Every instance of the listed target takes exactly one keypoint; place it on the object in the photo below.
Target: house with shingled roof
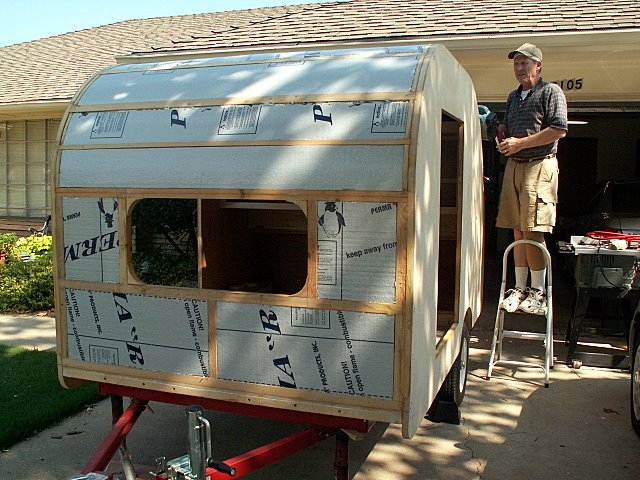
(591, 49)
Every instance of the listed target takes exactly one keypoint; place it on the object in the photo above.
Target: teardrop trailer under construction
(293, 235)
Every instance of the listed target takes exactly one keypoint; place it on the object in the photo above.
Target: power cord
(604, 235)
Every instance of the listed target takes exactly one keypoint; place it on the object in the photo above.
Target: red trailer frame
(320, 428)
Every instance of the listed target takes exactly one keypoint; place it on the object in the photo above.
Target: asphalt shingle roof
(53, 68)
(371, 20)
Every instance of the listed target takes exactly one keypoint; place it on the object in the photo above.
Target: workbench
(603, 273)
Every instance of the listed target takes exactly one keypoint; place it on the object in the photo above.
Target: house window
(27, 148)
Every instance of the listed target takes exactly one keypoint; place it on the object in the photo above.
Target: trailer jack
(198, 463)
(193, 466)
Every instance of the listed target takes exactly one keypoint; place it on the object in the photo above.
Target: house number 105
(570, 84)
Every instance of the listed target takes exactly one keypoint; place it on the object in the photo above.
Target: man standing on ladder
(535, 119)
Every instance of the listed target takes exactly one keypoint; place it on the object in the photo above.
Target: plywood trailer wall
(271, 229)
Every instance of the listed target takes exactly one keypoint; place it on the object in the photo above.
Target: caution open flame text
(352, 378)
(153, 333)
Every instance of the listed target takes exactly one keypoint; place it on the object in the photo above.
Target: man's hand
(512, 145)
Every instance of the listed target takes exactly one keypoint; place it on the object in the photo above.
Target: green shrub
(34, 245)
(27, 286)
(8, 245)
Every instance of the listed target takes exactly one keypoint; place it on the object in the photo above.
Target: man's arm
(512, 145)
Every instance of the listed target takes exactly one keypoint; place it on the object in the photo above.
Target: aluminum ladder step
(499, 332)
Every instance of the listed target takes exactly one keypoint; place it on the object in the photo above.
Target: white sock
(522, 274)
(538, 279)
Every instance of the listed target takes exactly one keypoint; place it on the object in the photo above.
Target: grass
(31, 398)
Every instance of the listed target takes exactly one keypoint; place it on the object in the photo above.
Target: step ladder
(499, 332)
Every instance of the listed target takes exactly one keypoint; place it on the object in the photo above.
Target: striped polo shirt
(544, 106)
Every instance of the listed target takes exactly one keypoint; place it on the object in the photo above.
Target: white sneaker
(536, 302)
(512, 299)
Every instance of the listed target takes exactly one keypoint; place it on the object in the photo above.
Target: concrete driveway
(512, 428)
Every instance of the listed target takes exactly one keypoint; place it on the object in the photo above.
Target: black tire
(455, 384)
(635, 384)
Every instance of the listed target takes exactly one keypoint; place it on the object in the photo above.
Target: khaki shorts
(529, 195)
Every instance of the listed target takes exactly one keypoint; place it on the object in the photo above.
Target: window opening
(164, 241)
(247, 245)
(254, 246)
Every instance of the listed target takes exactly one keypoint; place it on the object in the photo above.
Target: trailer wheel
(455, 384)
(635, 384)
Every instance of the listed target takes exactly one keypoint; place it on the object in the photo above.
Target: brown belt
(529, 160)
